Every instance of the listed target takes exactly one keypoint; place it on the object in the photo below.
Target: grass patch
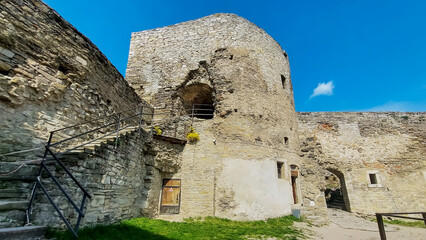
(419, 224)
(191, 228)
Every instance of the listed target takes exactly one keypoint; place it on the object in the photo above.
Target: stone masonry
(228, 62)
(51, 76)
(256, 157)
(354, 145)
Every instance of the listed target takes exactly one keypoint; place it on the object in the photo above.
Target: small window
(283, 81)
(280, 166)
(373, 178)
(286, 140)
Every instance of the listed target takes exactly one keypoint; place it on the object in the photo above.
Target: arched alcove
(198, 99)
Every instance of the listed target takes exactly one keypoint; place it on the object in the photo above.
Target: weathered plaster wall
(229, 179)
(390, 144)
(51, 76)
(249, 75)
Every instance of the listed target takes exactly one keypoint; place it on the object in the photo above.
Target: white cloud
(323, 89)
(398, 107)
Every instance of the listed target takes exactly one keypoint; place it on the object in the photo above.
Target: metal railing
(68, 144)
(67, 139)
(379, 218)
(177, 125)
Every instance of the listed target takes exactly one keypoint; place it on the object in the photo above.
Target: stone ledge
(171, 139)
(18, 233)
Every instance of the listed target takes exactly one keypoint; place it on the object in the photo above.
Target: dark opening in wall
(63, 69)
(197, 99)
(336, 194)
(4, 71)
(294, 182)
(286, 140)
(280, 171)
(283, 81)
(373, 178)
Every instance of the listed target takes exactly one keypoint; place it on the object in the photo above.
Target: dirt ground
(345, 225)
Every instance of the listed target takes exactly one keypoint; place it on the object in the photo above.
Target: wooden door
(294, 175)
(170, 197)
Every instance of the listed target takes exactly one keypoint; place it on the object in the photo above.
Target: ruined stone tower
(223, 76)
(240, 167)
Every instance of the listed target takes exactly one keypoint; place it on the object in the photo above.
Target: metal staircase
(79, 138)
(85, 138)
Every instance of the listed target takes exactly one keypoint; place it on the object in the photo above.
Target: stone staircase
(15, 189)
(338, 203)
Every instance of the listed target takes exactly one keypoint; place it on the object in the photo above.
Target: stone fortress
(256, 158)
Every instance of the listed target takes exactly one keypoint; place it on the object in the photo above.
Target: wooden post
(379, 218)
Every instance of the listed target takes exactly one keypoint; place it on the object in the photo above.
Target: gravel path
(344, 226)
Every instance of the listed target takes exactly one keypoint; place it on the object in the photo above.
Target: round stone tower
(245, 165)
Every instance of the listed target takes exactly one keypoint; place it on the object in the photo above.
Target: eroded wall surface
(51, 76)
(390, 145)
(232, 170)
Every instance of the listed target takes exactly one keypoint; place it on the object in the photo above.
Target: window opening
(280, 166)
(286, 140)
(283, 81)
(373, 178)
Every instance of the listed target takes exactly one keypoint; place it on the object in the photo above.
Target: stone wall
(51, 76)
(389, 144)
(124, 182)
(162, 59)
(230, 63)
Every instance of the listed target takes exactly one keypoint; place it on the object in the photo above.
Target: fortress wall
(389, 144)
(51, 76)
(232, 170)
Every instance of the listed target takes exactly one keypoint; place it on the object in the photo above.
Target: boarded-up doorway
(170, 196)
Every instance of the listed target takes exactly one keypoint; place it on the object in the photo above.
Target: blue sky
(344, 55)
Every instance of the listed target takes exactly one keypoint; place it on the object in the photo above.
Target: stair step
(18, 178)
(14, 193)
(21, 233)
(13, 218)
(13, 205)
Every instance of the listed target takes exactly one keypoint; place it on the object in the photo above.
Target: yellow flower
(158, 130)
(192, 136)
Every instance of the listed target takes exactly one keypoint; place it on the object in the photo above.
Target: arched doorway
(336, 193)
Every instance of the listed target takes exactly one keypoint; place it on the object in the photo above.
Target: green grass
(420, 224)
(207, 228)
